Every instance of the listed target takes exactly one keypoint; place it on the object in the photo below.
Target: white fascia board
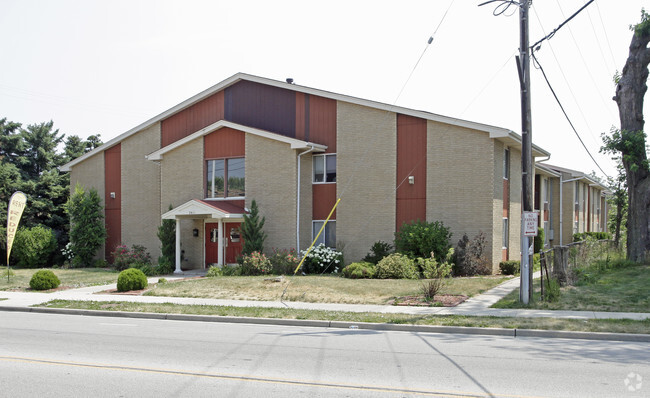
(295, 144)
(509, 136)
(546, 171)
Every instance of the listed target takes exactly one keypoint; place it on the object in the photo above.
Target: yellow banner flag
(16, 206)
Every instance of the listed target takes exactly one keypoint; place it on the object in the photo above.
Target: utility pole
(523, 66)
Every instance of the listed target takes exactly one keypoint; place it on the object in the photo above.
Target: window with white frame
(328, 236)
(225, 178)
(506, 235)
(324, 168)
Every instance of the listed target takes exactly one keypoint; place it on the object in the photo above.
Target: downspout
(298, 200)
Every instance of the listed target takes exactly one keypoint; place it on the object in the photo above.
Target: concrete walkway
(475, 306)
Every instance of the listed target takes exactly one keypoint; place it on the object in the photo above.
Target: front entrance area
(232, 242)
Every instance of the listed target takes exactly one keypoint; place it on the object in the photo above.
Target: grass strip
(579, 325)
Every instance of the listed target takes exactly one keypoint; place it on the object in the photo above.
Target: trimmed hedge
(131, 279)
(44, 280)
(511, 267)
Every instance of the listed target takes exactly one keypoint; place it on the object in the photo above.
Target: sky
(104, 67)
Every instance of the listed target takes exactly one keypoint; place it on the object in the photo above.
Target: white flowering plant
(322, 259)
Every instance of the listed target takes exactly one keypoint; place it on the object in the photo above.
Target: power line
(536, 45)
(564, 112)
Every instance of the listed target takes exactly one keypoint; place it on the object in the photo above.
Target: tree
(167, 236)
(617, 201)
(251, 231)
(630, 140)
(87, 230)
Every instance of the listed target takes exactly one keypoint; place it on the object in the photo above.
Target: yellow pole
(316, 238)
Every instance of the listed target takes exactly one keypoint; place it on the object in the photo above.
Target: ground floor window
(505, 233)
(328, 236)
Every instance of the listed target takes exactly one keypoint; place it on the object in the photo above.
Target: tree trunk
(630, 91)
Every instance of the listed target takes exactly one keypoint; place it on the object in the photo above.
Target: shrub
(131, 279)
(255, 263)
(232, 270)
(284, 262)
(420, 238)
(397, 266)
(430, 268)
(510, 267)
(33, 247)
(470, 257)
(146, 269)
(378, 251)
(591, 236)
(214, 272)
(124, 258)
(162, 281)
(360, 270)
(163, 268)
(322, 259)
(44, 280)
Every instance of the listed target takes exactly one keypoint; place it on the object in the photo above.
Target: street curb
(559, 334)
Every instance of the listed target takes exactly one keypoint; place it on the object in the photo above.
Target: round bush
(44, 280)
(359, 270)
(397, 266)
(34, 246)
(131, 279)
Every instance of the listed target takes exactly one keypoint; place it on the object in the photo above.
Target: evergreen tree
(167, 236)
(251, 231)
(87, 231)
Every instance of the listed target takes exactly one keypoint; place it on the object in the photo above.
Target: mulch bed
(439, 300)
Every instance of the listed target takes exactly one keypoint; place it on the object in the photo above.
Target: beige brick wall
(90, 174)
(515, 205)
(271, 181)
(366, 174)
(460, 181)
(497, 205)
(141, 191)
(181, 181)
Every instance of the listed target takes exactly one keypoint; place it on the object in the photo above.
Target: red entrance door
(233, 242)
(211, 243)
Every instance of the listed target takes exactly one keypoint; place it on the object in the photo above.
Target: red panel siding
(225, 143)
(192, 119)
(112, 209)
(506, 197)
(411, 161)
(302, 113)
(324, 197)
(322, 122)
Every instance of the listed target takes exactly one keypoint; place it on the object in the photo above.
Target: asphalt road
(45, 355)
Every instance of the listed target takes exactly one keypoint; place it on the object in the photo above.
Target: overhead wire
(539, 66)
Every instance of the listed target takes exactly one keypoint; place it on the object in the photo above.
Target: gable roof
(295, 144)
(578, 176)
(500, 133)
(197, 208)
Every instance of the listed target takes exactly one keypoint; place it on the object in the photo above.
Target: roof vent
(289, 80)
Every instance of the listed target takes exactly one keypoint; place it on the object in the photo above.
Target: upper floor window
(226, 178)
(506, 164)
(324, 168)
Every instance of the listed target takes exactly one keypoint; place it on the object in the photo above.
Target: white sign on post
(530, 223)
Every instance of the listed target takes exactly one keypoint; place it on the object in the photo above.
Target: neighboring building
(295, 150)
(582, 207)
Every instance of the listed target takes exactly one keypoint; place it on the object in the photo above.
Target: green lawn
(322, 289)
(79, 277)
(591, 325)
(618, 290)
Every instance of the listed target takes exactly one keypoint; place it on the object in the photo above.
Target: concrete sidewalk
(475, 306)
